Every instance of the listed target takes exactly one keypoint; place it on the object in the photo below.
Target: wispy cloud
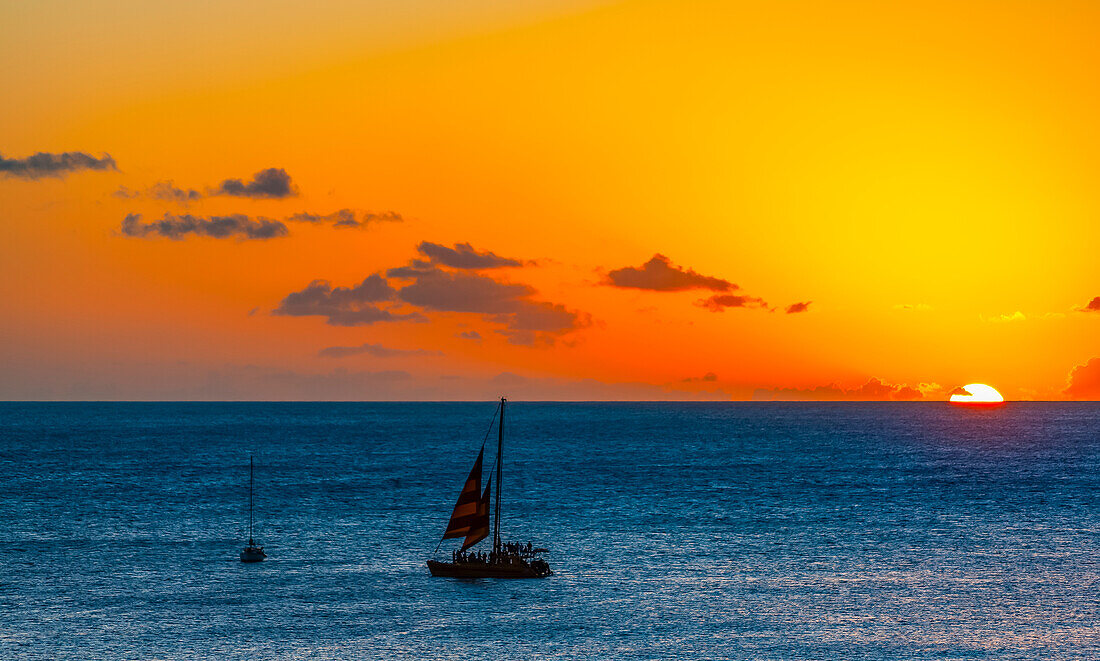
(44, 164)
(162, 190)
(1005, 318)
(376, 350)
(177, 227)
(346, 218)
(722, 302)
(795, 308)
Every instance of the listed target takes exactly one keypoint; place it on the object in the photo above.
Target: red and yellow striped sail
(479, 528)
(467, 510)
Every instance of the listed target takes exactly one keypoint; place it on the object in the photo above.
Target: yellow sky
(922, 174)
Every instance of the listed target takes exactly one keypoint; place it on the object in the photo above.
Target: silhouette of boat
(470, 521)
(251, 553)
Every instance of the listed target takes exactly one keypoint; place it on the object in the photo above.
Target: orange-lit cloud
(1084, 381)
(922, 197)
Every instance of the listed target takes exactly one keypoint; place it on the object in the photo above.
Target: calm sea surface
(692, 531)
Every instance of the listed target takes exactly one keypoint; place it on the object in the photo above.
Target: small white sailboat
(251, 553)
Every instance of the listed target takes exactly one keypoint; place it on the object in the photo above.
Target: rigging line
(492, 421)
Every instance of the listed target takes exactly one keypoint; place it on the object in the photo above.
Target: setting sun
(978, 394)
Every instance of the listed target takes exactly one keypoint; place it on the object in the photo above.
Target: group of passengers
(510, 553)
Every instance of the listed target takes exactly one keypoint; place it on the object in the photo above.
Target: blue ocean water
(690, 531)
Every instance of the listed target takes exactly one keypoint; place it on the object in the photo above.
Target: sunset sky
(549, 200)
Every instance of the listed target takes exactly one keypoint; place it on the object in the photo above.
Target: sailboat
(251, 553)
(470, 521)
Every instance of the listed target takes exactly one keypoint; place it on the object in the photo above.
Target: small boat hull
(253, 554)
(484, 570)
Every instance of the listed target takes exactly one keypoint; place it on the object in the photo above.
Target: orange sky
(923, 176)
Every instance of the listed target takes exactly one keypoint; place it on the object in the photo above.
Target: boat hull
(253, 555)
(482, 570)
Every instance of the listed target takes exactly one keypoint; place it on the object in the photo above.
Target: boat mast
(500, 452)
(250, 542)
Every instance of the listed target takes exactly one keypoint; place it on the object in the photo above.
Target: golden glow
(869, 158)
(977, 393)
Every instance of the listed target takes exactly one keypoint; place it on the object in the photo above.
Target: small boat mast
(251, 553)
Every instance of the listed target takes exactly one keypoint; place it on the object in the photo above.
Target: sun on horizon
(977, 394)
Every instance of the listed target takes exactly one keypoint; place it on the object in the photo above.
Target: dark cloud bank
(446, 282)
(43, 164)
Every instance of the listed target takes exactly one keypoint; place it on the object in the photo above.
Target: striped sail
(466, 512)
(479, 528)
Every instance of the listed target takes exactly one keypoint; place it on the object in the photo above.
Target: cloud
(527, 321)
(720, 302)
(1005, 318)
(376, 350)
(343, 306)
(435, 289)
(709, 377)
(874, 389)
(1091, 306)
(218, 227)
(1084, 381)
(443, 285)
(162, 190)
(346, 218)
(43, 164)
(463, 256)
(915, 307)
(660, 274)
(270, 183)
(179, 226)
(795, 308)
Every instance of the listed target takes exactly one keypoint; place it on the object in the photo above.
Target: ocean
(677, 530)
